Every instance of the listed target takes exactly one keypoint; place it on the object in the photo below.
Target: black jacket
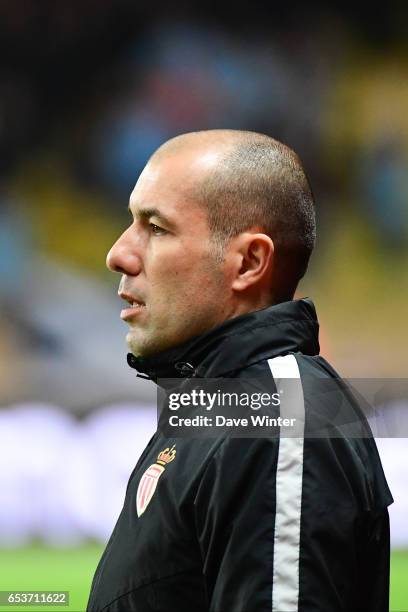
(228, 524)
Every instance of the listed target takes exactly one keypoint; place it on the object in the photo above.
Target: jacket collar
(238, 343)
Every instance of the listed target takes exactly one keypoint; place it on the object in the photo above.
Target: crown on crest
(166, 455)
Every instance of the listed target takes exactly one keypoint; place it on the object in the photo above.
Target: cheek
(183, 274)
(173, 264)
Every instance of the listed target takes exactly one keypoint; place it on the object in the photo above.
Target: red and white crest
(150, 478)
(147, 487)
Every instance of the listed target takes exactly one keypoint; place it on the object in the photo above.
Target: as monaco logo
(150, 478)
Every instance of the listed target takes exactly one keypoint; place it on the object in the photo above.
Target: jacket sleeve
(259, 555)
(374, 575)
(235, 515)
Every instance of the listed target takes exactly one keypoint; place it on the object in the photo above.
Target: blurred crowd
(63, 480)
(90, 90)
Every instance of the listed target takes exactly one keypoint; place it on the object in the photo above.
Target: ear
(254, 257)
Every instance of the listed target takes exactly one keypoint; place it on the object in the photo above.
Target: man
(222, 230)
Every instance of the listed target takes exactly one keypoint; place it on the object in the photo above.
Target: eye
(156, 229)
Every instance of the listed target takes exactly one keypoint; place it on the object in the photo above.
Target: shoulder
(334, 444)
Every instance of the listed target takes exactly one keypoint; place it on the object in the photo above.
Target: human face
(170, 275)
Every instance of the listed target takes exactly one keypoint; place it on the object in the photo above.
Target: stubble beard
(196, 319)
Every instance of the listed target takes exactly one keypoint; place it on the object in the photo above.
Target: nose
(124, 257)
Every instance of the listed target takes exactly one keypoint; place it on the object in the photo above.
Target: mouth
(135, 307)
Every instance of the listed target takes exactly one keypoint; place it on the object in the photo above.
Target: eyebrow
(147, 213)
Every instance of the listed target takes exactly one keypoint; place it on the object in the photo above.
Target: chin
(141, 347)
(134, 345)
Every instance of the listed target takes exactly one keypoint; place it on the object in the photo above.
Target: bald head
(246, 180)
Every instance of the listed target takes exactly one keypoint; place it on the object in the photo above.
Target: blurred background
(88, 91)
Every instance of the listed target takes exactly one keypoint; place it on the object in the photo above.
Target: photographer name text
(222, 421)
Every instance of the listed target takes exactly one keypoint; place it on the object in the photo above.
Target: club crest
(150, 478)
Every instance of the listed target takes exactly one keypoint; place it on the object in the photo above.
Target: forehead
(169, 184)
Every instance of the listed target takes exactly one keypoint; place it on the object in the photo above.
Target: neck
(290, 326)
(247, 304)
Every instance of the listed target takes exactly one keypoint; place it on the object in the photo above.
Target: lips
(136, 306)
